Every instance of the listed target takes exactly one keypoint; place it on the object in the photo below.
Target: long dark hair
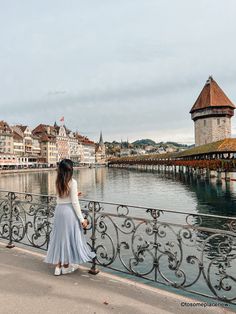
(64, 175)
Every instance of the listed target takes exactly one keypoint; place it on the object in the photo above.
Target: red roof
(21, 127)
(17, 136)
(211, 96)
(40, 128)
(4, 126)
(47, 138)
(84, 139)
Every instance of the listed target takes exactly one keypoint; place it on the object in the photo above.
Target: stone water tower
(212, 114)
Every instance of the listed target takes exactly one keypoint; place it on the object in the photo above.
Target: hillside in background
(144, 142)
(143, 146)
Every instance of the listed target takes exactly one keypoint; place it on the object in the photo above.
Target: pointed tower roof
(211, 96)
(101, 140)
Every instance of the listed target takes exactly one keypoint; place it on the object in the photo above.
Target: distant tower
(102, 147)
(212, 114)
(101, 143)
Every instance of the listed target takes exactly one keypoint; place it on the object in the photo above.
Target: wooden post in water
(218, 178)
(212, 174)
(227, 176)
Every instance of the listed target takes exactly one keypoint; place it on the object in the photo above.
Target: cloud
(135, 78)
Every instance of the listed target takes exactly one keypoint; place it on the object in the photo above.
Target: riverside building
(6, 138)
(62, 142)
(46, 136)
(49, 149)
(44, 146)
(18, 144)
(88, 150)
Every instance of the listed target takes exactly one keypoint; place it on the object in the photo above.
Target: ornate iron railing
(189, 251)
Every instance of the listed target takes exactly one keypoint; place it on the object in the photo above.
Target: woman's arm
(75, 200)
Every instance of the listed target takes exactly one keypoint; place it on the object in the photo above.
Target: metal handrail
(129, 205)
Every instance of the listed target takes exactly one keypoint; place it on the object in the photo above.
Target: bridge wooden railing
(211, 164)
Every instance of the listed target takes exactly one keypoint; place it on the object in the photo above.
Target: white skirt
(67, 243)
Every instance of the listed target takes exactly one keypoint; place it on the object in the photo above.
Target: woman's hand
(85, 223)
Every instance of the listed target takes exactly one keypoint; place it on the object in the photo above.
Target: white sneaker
(58, 271)
(69, 269)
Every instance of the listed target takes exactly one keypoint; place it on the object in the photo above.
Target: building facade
(88, 153)
(87, 150)
(46, 145)
(6, 138)
(49, 149)
(25, 132)
(8, 160)
(74, 147)
(212, 113)
(18, 144)
(62, 143)
(45, 136)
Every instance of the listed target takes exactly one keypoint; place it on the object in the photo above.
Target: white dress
(67, 241)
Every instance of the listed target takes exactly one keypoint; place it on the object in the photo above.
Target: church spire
(101, 143)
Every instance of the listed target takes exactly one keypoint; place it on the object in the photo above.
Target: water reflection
(219, 199)
(182, 192)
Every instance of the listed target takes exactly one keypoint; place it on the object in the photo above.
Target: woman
(67, 242)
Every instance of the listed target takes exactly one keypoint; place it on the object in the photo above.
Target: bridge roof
(227, 145)
(211, 96)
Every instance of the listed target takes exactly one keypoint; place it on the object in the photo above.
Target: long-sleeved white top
(73, 199)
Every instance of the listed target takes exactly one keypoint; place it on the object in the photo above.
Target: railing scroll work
(189, 251)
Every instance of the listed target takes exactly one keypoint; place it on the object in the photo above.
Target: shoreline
(8, 171)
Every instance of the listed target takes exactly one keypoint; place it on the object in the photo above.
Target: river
(180, 192)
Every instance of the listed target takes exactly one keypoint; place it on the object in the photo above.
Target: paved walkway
(28, 286)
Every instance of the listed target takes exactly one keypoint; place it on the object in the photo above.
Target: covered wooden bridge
(218, 156)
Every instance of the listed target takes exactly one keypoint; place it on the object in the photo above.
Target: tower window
(204, 122)
(218, 121)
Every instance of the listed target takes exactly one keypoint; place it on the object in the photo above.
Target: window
(204, 122)
(218, 121)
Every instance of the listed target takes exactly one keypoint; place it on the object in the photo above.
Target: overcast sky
(131, 68)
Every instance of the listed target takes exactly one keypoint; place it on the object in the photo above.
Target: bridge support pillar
(218, 178)
(212, 174)
(227, 176)
(207, 174)
(198, 173)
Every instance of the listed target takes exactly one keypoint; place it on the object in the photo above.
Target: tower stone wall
(212, 129)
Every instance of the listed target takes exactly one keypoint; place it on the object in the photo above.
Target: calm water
(177, 192)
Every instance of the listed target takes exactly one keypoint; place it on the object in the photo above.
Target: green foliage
(144, 142)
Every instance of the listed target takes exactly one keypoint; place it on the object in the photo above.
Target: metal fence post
(47, 226)
(93, 270)
(11, 197)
